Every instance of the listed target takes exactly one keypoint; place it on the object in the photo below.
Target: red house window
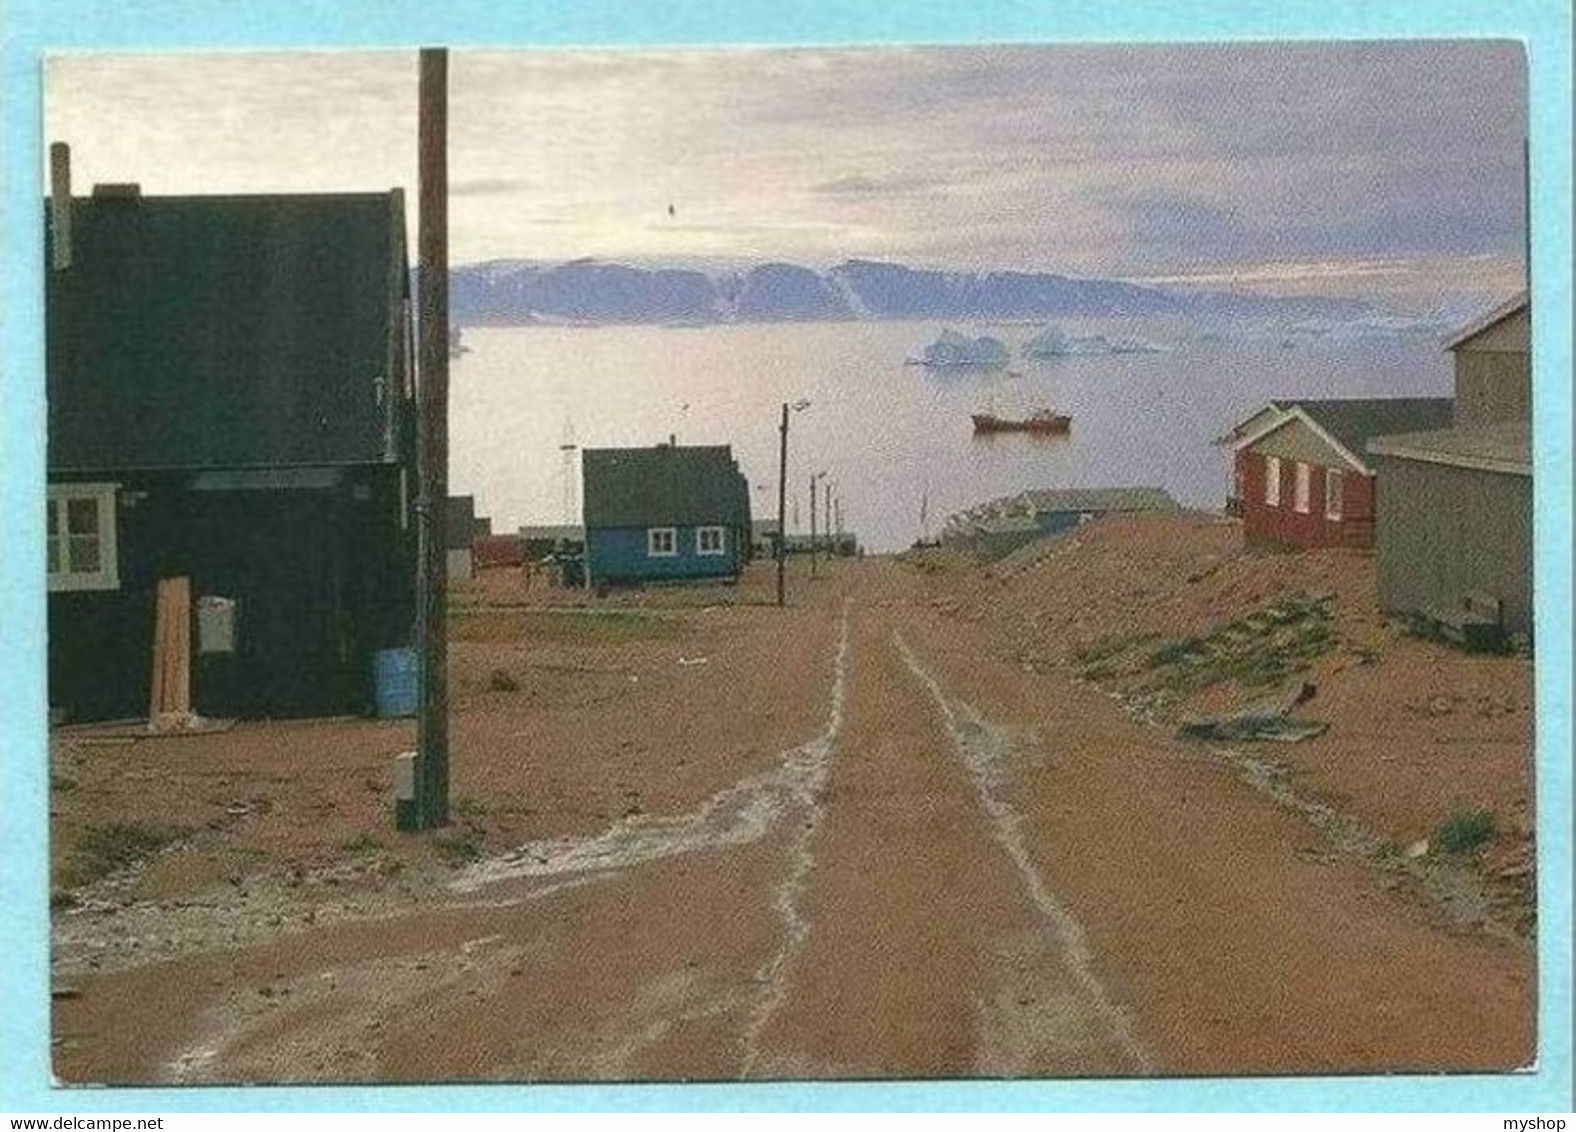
(1332, 494)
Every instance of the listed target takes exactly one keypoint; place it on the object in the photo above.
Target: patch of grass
(1261, 649)
(457, 848)
(100, 850)
(62, 782)
(1109, 647)
(570, 626)
(1185, 650)
(469, 806)
(60, 898)
(1388, 851)
(1465, 831)
(362, 843)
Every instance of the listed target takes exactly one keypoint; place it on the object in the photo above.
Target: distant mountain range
(525, 292)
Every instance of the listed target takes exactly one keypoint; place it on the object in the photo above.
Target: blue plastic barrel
(396, 676)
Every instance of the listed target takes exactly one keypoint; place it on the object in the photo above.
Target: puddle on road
(737, 815)
(985, 751)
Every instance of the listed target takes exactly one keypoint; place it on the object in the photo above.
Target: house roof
(1513, 305)
(459, 522)
(1247, 424)
(1016, 513)
(1504, 447)
(1105, 499)
(227, 331)
(565, 531)
(1006, 525)
(1348, 424)
(663, 486)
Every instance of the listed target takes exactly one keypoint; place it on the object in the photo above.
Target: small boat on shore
(1043, 421)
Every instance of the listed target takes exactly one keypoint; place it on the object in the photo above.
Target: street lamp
(815, 482)
(798, 406)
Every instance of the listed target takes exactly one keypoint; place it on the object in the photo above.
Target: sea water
(893, 439)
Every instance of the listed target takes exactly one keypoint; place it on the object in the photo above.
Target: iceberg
(954, 349)
(1369, 328)
(1052, 343)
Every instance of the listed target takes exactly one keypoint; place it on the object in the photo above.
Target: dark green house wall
(322, 578)
(1445, 532)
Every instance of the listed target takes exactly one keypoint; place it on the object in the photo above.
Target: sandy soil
(883, 833)
(1420, 731)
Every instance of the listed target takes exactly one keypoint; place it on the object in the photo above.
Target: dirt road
(942, 865)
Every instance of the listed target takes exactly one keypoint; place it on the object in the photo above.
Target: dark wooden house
(231, 401)
(667, 513)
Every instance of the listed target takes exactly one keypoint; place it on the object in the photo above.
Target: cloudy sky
(1388, 170)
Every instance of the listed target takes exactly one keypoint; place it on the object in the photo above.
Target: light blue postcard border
(31, 28)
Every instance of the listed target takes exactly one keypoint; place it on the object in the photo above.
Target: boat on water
(1044, 421)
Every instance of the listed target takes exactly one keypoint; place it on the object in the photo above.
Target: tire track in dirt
(1246, 943)
(790, 892)
(922, 951)
(370, 993)
(982, 749)
(737, 815)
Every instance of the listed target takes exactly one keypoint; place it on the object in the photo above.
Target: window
(1332, 493)
(710, 541)
(80, 535)
(1272, 481)
(1301, 488)
(662, 542)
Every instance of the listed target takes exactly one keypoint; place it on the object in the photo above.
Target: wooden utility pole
(782, 504)
(432, 629)
(826, 514)
(812, 526)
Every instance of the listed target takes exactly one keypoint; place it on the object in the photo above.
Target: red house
(1301, 477)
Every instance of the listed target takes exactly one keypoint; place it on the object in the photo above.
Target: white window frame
(1334, 487)
(700, 542)
(1272, 481)
(652, 534)
(1302, 488)
(107, 576)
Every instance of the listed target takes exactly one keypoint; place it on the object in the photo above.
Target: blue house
(667, 513)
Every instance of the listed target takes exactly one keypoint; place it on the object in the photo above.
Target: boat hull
(1045, 426)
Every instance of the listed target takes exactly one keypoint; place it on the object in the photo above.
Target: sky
(1391, 171)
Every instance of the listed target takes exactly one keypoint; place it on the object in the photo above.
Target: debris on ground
(1265, 722)
(501, 681)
